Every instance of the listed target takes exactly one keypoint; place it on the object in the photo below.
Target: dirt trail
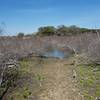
(60, 83)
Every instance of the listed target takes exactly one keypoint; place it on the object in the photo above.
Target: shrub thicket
(61, 30)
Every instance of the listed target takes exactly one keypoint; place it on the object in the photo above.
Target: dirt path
(60, 83)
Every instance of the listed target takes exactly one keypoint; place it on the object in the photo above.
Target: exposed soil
(60, 85)
(55, 82)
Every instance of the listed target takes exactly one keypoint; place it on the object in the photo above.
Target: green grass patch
(30, 79)
(89, 78)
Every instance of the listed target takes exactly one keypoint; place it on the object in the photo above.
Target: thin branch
(98, 35)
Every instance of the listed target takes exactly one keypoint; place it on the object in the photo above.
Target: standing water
(56, 53)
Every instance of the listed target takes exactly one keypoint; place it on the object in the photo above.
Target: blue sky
(27, 15)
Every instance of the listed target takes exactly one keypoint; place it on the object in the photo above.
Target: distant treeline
(61, 30)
